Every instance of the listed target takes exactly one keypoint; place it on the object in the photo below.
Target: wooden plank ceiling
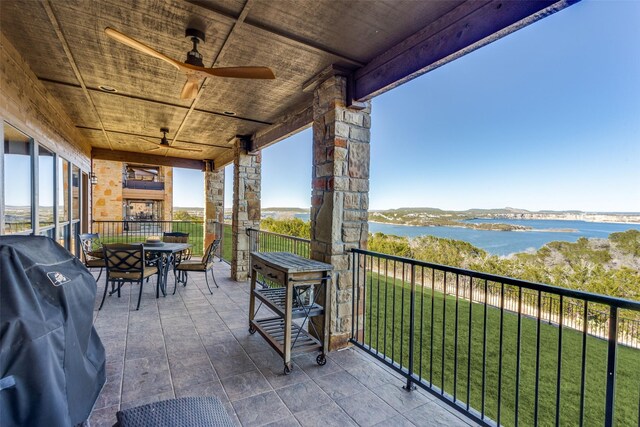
(65, 45)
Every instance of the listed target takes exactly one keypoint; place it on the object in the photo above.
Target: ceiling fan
(164, 143)
(193, 67)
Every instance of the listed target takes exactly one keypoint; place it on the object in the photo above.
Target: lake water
(508, 242)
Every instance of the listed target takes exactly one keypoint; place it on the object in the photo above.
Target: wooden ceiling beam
(65, 46)
(283, 128)
(119, 132)
(153, 101)
(466, 28)
(143, 158)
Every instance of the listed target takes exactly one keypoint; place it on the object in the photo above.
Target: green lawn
(226, 242)
(628, 362)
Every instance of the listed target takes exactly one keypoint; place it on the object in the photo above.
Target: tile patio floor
(197, 344)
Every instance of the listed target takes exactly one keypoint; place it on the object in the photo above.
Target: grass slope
(393, 341)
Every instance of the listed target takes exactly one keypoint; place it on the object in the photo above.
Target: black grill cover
(47, 340)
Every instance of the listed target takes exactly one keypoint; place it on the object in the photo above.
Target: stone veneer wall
(214, 205)
(340, 199)
(167, 204)
(107, 193)
(246, 208)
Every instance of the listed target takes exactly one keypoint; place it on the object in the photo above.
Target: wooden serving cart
(295, 291)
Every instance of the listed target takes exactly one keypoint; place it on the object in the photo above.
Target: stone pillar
(213, 205)
(246, 208)
(340, 195)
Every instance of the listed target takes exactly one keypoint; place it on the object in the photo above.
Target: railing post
(409, 386)
(611, 367)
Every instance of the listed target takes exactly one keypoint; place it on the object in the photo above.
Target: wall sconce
(93, 178)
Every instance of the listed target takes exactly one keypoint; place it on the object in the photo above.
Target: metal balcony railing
(266, 241)
(500, 350)
(136, 184)
(139, 231)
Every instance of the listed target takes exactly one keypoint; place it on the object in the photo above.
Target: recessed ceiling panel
(160, 25)
(75, 103)
(28, 28)
(358, 29)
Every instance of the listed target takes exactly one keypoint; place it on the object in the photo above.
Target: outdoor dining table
(166, 257)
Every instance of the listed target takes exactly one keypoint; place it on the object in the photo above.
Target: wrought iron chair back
(205, 265)
(126, 263)
(92, 254)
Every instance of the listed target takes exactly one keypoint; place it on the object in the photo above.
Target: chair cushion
(193, 266)
(95, 263)
(134, 275)
(96, 254)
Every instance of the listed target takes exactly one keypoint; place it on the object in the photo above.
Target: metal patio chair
(205, 265)
(178, 237)
(92, 255)
(126, 263)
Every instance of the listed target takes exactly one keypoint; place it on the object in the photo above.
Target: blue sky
(545, 118)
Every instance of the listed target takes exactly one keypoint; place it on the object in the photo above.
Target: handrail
(571, 293)
(299, 239)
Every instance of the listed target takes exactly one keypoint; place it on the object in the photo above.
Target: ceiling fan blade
(124, 39)
(190, 88)
(234, 72)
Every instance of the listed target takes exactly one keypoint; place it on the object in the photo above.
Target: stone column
(246, 208)
(340, 195)
(213, 205)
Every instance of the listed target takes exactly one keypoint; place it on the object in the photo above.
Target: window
(45, 187)
(63, 190)
(17, 181)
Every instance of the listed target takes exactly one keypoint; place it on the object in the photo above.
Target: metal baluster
(455, 342)
(371, 302)
(537, 385)
(559, 374)
(364, 299)
(518, 346)
(433, 280)
(384, 314)
(409, 386)
(393, 312)
(353, 293)
(469, 342)
(444, 327)
(402, 314)
(421, 317)
(612, 353)
(386, 282)
(583, 374)
(501, 339)
(484, 350)
(357, 317)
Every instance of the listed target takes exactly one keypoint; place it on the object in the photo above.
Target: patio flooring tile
(329, 415)
(297, 397)
(366, 408)
(260, 409)
(196, 344)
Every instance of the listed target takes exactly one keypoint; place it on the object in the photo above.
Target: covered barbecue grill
(52, 362)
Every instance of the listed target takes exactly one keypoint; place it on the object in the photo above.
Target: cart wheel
(252, 330)
(287, 369)
(321, 359)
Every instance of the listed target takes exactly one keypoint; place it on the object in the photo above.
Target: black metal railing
(136, 184)
(266, 241)
(139, 231)
(501, 350)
